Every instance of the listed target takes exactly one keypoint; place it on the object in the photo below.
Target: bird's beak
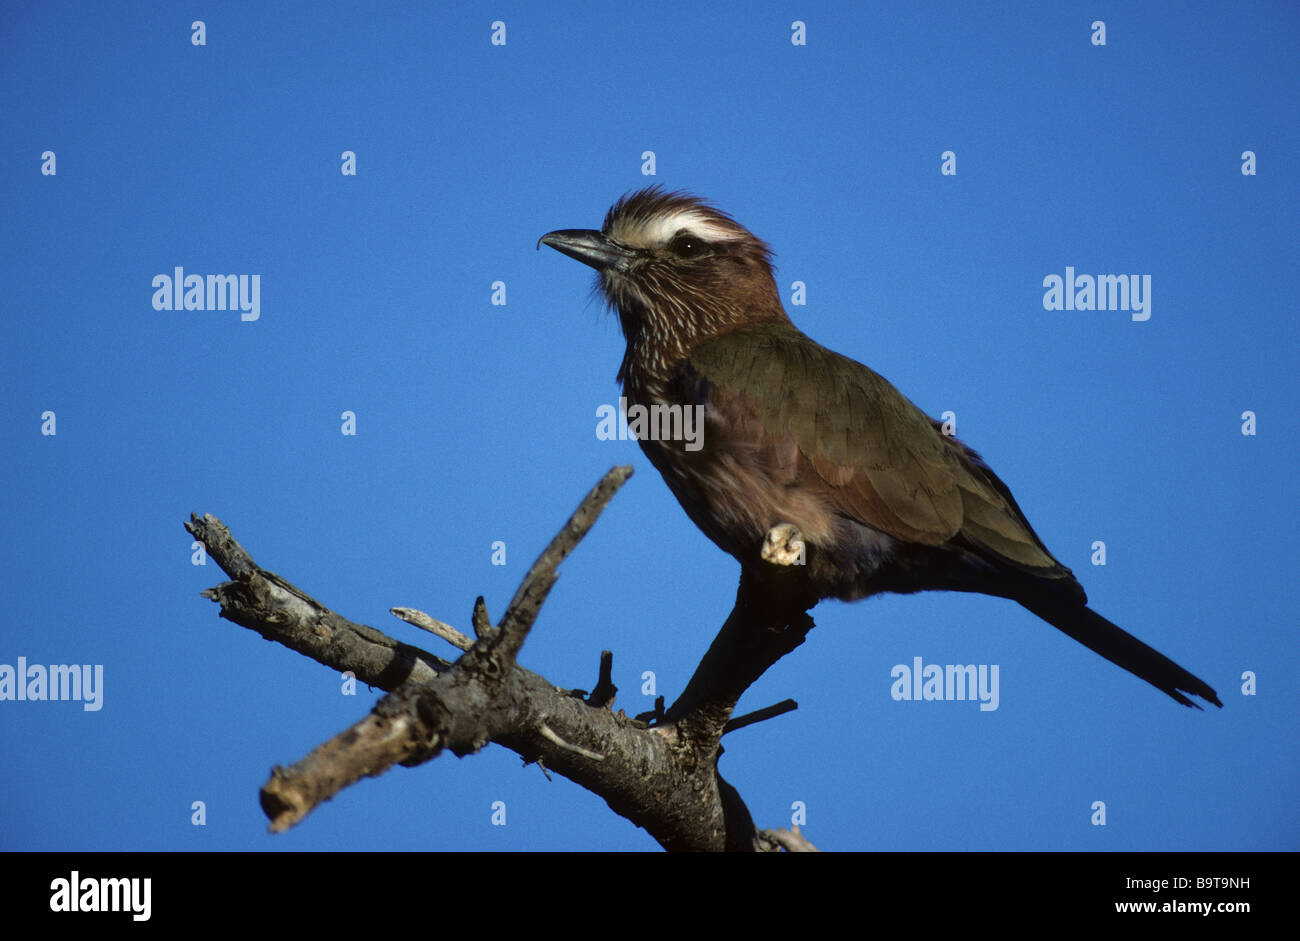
(589, 247)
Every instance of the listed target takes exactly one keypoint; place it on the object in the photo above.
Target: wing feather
(871, 454)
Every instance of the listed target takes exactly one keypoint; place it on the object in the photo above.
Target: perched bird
(811, 466)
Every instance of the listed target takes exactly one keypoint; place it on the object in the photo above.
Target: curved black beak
(589, 247)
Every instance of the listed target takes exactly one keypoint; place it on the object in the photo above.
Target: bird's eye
(687, 246)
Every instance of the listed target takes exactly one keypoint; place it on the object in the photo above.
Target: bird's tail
(1120, 647)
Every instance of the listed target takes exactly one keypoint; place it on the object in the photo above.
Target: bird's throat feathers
(659, 336)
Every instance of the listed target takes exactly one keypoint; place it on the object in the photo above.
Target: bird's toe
(784, 545)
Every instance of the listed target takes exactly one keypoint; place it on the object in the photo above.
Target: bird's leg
(768, 621)
(784, 545)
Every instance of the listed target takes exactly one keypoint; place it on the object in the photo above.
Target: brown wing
(870, 453)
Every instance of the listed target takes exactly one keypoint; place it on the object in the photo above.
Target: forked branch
(663, 777)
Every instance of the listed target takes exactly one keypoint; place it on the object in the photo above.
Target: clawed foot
(784, 545)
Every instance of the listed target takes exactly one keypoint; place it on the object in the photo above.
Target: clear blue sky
(476, 422)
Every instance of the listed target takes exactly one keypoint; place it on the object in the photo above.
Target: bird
(809, 466)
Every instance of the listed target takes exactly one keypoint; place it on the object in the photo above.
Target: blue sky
(476, 422)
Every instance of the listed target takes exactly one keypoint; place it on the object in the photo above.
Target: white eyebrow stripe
(661, 229)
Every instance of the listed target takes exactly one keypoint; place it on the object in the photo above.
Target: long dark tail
(1120, 647)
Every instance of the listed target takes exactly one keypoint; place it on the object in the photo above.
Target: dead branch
(663, 777)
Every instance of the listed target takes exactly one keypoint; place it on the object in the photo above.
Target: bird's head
(676, 269)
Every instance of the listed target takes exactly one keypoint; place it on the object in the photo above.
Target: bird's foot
(784, 545)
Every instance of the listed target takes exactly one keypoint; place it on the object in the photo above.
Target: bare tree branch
(792, 841)
(479, 618)
(264, 602)
(663, 778)
(760, 715)
(603, 694)
(431, 624)
(531, 594)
